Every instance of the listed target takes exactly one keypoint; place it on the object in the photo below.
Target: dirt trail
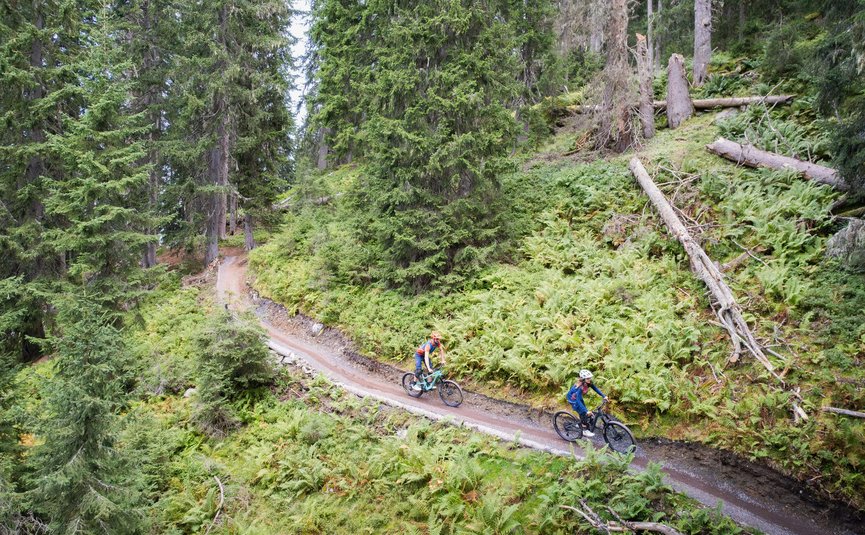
(753, 495)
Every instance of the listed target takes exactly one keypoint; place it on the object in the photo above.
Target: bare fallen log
(855, 414)
(731, 102)
(623, 526)
(751, 156)
(704, 104)
(729, 313)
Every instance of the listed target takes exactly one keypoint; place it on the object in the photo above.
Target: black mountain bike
(616, 434)
(449, 391)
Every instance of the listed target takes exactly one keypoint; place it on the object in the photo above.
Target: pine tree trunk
(702, 39)
(679, 105)
(218, 177)
(657, 54)
(644, 75)
(741, 26)
(232, 220)
(248, 238)
(323, 149)
(649, 37)
(36, 165)
(147, 96)
(597, 16)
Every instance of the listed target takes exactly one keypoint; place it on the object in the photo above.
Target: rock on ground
(848, 245)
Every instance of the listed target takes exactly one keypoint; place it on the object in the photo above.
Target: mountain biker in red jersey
(575, 398)
(422, 355)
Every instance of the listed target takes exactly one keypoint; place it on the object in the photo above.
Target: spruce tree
(82, 484)
(429, 101)
(38, 44)
(228, 94)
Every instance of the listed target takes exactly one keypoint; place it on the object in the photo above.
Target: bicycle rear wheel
(567, 426)
(451, 393)
(408, 382)
(619, 437)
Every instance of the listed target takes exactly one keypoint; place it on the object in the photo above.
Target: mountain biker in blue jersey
(575, 398)
(422, 355)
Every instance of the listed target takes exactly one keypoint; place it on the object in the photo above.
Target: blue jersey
(575, 396)
(428, 345)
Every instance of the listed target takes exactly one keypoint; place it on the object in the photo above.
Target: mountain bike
(450, 392)
(615, 433)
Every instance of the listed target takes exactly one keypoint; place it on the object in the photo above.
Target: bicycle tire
(619, 437)
(568, 426)
(451, 393)
(408, 381)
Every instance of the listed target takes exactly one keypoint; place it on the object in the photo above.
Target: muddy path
(753, 495)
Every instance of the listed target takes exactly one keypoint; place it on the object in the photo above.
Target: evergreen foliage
(82, 482)
(431, 118)
(231, 358)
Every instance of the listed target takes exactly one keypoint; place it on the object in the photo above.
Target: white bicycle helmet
(585, 374)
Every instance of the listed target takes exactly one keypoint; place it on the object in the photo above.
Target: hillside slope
(593, 280)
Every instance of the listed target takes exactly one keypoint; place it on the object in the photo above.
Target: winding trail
(754, 503)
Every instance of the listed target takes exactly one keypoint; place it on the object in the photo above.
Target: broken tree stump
(751, 156)
(729, 313)
(679, 105)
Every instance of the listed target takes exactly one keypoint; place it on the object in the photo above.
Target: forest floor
(750, 493)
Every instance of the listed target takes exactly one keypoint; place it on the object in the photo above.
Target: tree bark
(649, 22)
(741, 27)
(323, 149)
(678, 103)
(729, 313)
(657, 53)
(731, 102)
(644, 74)
(702, 39)
(218, 175)
(750, 156)
(232, 220)
(248, 237)
(597, 19)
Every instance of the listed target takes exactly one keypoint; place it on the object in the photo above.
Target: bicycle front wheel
(451, 393)
(567, 426)
(409, 381)
(619, 437)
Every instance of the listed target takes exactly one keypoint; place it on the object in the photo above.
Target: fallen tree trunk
(729, 313)
(619, 527)
(845, 412)
(751, 156)
(731, 102)
(705, 103)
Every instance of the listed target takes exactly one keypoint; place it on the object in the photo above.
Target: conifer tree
(229, 81)
(82, 484)
(431, 95)
(38, 43)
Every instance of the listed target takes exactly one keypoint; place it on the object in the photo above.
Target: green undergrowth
(304, 456)
(313, 459)
(592, 279)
